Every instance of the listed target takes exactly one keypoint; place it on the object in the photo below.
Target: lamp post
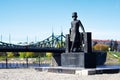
(6, 61)
(39, 59)
(9, 38)
(27, 39)
(1, 37)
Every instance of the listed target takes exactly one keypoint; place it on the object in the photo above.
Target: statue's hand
(84, 37)
(83, 34)
(70, 31)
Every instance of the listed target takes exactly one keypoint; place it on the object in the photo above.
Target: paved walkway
(31, 74)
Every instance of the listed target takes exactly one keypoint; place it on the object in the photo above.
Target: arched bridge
(54, 43)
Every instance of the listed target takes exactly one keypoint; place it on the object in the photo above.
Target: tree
(48, 54)
(30, 54)
(115, 46)
(22, 54)
(111, 45)
(95, 43)
(10, 54)
(101, 47)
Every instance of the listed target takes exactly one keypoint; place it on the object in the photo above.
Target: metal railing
(25, 62)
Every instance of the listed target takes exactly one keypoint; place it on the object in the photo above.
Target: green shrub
(48, 54)
(30, 54)
(10, 54)
(22, 54)
(27, 54)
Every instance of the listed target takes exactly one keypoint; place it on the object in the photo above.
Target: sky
(35, 20)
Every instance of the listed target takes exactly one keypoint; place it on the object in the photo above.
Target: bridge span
(31, 49)
(54, 43)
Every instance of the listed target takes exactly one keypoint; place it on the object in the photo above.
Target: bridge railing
(25, 62)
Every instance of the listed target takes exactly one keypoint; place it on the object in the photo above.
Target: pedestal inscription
(81, 59)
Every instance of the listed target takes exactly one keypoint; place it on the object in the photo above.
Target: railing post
(62, 39)
(27, 61)
(6, 61)
(39, 59)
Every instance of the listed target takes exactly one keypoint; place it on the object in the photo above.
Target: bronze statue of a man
(75, 36)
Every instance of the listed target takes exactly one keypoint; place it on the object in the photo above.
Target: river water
(17, 65)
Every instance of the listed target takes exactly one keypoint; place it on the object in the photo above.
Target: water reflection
(23, 65)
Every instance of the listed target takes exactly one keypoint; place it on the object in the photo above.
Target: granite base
(78, 59)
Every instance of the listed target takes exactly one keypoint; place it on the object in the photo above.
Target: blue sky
(38, 18)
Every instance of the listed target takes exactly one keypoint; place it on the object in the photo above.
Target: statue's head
(74, 14)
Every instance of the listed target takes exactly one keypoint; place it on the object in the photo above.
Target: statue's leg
(78, 46)
(71, 49)
(72, 46)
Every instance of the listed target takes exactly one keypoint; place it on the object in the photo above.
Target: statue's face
(74, 17)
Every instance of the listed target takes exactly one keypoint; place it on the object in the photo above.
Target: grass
(116, 53)
(113, 58)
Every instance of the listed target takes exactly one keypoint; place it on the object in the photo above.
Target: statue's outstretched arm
(82, 27)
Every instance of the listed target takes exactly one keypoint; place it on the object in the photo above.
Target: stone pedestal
(87, 42)
(78, 59)
(57, 57)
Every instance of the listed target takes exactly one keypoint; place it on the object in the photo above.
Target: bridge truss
(55, 43)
